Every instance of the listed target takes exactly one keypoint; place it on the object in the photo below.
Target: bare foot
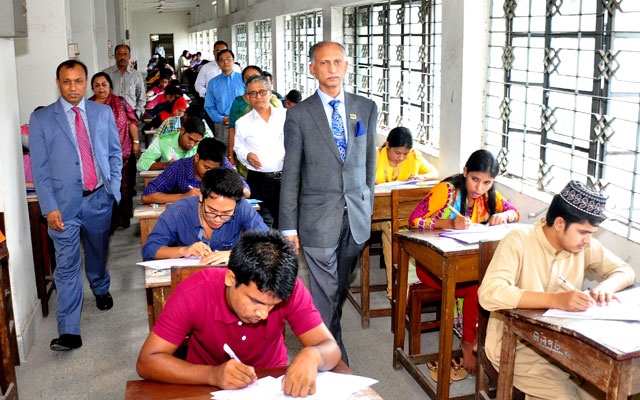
(469, 356)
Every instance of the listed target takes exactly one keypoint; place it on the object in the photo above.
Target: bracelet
(136, 141)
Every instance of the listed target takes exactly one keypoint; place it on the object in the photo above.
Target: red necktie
(88, 166)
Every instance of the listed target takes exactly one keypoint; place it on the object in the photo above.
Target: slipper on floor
(433, 371)
(458, 372)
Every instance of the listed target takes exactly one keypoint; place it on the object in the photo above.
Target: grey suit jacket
(316, 184)
(55, 161)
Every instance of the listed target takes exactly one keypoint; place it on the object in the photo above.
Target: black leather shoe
(66, 342)
(104, 301)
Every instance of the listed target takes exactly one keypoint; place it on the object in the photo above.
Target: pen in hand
(566, 285)
(456, 212)
(230, 352)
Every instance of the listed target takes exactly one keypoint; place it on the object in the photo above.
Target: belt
(86, 193)
(271, 175)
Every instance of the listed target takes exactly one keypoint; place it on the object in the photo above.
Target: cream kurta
(526, 261)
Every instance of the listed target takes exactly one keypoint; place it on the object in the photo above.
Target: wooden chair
(363, 307)
(421, 297)
(178, 274)
(487, 376)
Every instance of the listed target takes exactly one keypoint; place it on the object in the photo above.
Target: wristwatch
(136, 141)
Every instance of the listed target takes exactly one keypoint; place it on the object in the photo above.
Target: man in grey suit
(328, 178)
(77, 164)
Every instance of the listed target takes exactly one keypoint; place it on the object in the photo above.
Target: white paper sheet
(169, 262)
(329, 386)
(627, 310)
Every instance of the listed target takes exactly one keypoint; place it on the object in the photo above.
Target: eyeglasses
(212, 215)
(226, 59)
(256, 93)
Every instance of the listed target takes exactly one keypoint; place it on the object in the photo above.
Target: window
(563, 98)
(301, 32)
(263, 55)
(393, 49)
(240, 48)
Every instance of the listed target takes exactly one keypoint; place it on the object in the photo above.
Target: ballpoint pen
(230, 352)
(566, 284)
(456, 212)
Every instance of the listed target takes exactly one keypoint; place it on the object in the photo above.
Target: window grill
(301, 32)
(563, 98)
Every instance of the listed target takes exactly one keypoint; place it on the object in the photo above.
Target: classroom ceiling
(161, 5)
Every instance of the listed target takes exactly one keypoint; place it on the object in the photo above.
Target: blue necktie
(338, 129)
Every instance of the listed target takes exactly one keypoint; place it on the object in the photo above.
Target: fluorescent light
(214, 2)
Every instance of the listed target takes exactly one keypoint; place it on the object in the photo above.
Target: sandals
(458, 372)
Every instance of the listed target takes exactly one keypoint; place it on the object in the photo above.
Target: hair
(560, 208)
(479, 161)
(257, 78)
(105, 76)
(223, 182)
(173, 90)
(219, 42)
(194, 125)
(195, 111)
(312, 50)
(184, 53)
(294, 96)
(115, 50)
(211, 149)
(400, 137)
(267, 74)
(248, 67)
(70, 64)
(225, 51)
(266, 259)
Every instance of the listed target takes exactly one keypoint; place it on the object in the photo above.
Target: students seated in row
(182, 178)
(398, 161)
(455, 203)
(524, 273)
(205, 226)
(174, 123)
(245, 307)
(173, 146)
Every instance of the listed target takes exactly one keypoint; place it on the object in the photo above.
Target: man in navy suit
(77, 164)
(326, 200)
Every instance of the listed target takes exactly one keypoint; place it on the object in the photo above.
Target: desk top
(142, 211)
(384, 189)
(152, 173)
(441, 245)
(596, 333)
(149, 390)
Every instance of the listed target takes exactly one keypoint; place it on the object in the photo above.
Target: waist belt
(271, 175)
(86, 193)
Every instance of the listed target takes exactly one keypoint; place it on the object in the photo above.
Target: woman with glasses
(205, 227)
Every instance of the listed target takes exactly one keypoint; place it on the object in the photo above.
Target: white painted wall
(146, 23)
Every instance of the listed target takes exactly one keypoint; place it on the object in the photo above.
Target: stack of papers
(478, 232)
(329, 386)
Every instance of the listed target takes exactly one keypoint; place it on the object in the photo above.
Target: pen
(566, 284)
(230, 352)
(456, 212)
(190, 187)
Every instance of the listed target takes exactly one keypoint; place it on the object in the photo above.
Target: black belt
(271, 175)
(86, 193)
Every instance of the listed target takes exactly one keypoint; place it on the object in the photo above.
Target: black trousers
(266, 187)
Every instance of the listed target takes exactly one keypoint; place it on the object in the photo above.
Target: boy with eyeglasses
(205, 226)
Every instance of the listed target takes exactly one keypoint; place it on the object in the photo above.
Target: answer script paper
(170, 262)
(628, 309)
(329, 386)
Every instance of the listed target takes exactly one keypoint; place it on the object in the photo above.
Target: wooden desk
(44, 260)
(157, 284)
(450, 261)
(150, 175)
(149, 390)
(612, 371)
(148, 215)
(381, 212)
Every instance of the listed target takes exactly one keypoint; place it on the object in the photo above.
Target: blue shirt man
(208, 226)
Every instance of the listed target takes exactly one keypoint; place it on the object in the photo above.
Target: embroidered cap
(585, 200)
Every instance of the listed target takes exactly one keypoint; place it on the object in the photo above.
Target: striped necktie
(88, 165)
(338, 129)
